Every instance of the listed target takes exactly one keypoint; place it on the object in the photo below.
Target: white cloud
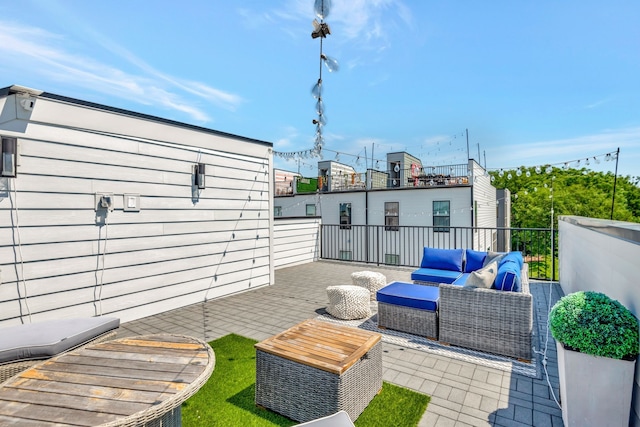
(35, 48)
(559, 151)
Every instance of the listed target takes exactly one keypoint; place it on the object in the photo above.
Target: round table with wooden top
(135, 381)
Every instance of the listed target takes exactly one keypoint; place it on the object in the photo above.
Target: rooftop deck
(463, 392)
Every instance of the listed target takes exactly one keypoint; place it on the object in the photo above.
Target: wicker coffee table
(316, 368)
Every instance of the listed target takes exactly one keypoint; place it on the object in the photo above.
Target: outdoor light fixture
(198, 175)
(320, 29)
(9, 160)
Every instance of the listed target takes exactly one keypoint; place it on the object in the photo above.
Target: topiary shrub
(593, 323)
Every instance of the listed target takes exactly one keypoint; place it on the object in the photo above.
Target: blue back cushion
(475, 260)
(509, 270)
(513, 257)
(443, 259)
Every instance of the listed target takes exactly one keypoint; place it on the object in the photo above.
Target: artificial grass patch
(228, 398)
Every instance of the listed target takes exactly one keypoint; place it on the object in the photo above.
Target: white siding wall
(484, 196)
(295, 241)
(416, 205)
(179, 249)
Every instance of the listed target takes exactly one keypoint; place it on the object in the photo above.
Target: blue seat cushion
(460, 281)
(410, 295)
(435, 275)
(46, 339)
(474, 260)
(442, 259)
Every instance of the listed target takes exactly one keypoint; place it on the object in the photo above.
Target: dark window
(311, 210)
(441, 218)
(391, 216)
(345, 216)
(277, 211)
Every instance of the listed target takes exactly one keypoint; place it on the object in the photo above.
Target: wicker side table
(315, 369)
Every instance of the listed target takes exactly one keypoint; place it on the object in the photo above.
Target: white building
(106, 211)
(408, 194)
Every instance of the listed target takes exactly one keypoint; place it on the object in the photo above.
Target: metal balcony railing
(403, 245)
(373, 179)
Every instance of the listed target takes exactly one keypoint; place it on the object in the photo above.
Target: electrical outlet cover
(98, 201)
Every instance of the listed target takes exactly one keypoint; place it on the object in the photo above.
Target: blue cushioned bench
(410, 308)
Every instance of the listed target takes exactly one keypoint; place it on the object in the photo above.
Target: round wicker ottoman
(348, 302)
(370, 280)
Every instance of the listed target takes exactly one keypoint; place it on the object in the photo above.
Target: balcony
(348, 179)
(465, 388)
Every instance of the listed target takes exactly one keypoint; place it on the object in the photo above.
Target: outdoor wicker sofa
(488, 320)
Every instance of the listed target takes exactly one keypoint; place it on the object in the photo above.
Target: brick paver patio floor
(462, 393)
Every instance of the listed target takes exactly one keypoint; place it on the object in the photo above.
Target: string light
(320, 31)
(548, 168)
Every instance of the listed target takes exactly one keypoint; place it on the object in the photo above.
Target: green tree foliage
(580, 192)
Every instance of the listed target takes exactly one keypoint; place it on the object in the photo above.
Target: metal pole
(615, 180)
(373, 147)
(553, 254)
(467, 132)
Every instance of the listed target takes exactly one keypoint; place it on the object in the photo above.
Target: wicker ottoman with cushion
(369, 279)
(348, 302)
(408, 307)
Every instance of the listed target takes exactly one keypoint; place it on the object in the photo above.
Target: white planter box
(594, 391)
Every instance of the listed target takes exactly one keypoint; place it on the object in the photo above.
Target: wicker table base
(287, 383)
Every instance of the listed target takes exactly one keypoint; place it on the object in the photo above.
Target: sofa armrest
(487, 319)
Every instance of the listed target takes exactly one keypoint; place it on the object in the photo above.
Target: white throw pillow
(493, 256)
(482, 278)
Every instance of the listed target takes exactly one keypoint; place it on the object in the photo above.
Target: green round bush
(593, 323)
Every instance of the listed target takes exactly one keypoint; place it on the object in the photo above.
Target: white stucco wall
(594, 258)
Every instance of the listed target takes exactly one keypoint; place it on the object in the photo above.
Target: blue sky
(535, 83)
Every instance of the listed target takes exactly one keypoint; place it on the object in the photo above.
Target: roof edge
(15, 89)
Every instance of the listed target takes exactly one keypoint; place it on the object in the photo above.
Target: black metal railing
(403, 245)
(373, 179)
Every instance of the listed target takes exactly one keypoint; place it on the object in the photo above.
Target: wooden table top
(113, 382)
(323, 345)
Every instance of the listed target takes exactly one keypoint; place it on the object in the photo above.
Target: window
(391, 216)
(441, 219)
(311, 210)
(277, 211)
(345, 216)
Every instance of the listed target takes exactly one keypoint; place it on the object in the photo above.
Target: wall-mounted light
(199, 175)
(9, 160)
